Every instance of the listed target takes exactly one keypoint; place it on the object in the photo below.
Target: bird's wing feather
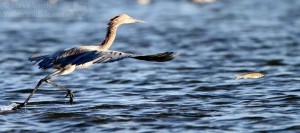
(112, 56)
(101, 57)
(83, 58)
(71, 56)
(61, 57)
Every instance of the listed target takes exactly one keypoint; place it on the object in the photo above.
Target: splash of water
(8, 107)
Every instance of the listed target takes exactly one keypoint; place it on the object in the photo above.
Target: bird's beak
(139, 21)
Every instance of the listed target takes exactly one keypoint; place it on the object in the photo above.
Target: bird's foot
(19, 106)
(71, 97)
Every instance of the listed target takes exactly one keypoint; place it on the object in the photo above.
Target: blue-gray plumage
(77, 56)
(66, 61)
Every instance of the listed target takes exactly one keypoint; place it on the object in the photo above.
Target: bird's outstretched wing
(112, 56)
(79, 56)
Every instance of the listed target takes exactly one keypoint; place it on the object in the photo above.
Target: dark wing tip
(168, 56)
(159, 57)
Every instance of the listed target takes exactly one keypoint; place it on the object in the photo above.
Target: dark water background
(194, 93)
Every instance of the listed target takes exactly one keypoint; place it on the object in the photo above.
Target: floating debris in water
(143, 2)
(203, 1)
(251, 75)
(52, 1)
(9, 107)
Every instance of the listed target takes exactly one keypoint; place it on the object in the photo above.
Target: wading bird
(66, 61)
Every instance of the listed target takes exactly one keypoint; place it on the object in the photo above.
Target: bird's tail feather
(159, 57)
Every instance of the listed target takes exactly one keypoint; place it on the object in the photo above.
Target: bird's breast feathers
(85, 65)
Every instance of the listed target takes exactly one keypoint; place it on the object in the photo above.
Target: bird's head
(125, 19)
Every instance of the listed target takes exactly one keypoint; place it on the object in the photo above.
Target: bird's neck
(110, 36)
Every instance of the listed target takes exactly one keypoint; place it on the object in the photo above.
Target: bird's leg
(31, 94)
(70, 92)
(57, 73)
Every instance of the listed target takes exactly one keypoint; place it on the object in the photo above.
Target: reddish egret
(66, 61)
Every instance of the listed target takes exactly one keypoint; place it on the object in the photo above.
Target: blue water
(194, 93)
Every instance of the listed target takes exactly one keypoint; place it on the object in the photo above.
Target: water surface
(196, 92)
